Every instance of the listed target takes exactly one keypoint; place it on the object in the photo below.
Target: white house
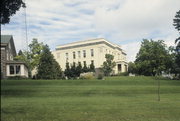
(91, 51)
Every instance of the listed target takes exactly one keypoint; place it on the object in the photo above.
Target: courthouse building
(91, 51)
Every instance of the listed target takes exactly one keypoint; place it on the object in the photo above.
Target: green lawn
(112, 99)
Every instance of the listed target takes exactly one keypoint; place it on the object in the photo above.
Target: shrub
(123, 74)
(88, 75)
(100, 76)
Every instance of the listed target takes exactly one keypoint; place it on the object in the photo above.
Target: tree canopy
(108, 65)
(152, 58)
(9, 8)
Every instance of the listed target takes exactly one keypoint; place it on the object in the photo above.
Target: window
(84, 53)
(74, 55)
(67, 57)
(92, 52)
(18, 69)
(11, 68)
(15, 69)
(79, 54)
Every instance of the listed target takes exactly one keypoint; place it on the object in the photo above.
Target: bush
(88, 75)
(16, 77)
(123, 74)
(100, 76)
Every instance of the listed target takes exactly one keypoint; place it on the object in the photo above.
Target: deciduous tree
(108, 65)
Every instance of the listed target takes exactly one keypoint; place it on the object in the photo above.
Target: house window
(74, 55)
(92, 52)
(11, 68)
(79, 54)
(18, 69)
(84, 53)
(15, 69)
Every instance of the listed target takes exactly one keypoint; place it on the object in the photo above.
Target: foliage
(8, 8)
(35, 52)
(67, 71)
(48, 68)
(108, 65)
(92, 67)
(100, 76)
(131, 67)
(73, 70)
(88, 75)
(177, 25)
(85, 68)
(78, 69)
(123, 74)
(24, 56)
(152, 58)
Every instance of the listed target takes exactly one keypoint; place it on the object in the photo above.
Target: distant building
(9, 67)
(91, 51)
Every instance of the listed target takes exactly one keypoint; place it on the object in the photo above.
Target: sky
(122, 22)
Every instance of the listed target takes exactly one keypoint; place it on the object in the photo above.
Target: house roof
(6, 40)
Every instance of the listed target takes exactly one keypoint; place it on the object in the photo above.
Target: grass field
(112, 99)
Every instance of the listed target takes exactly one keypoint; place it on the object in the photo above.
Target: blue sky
(123, 22)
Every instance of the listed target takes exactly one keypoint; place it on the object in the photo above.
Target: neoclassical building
(91, 51)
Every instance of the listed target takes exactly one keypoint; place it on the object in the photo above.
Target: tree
(108, 65)
(92, 67)
(177, 25)
(73, 70)
(9, 8)
(67, 71)
(78, 69)
(35, 52)
(152, 58)
(85, 68)
(48, 68)
(131, 67)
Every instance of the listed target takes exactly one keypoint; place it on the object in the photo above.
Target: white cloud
(124, 22)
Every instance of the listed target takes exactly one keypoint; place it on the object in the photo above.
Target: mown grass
(112, 99)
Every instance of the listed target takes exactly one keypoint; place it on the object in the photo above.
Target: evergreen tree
(48, 68)
(73, 70)
(78, 69)
(85, 68)
(67, 71)
(92, 67)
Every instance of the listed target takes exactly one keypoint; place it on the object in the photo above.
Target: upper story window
(92, 52)
(79, 54)
(84, 53)
(67, 56)
(74, 55)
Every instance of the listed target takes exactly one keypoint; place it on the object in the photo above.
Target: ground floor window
(15, 69)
